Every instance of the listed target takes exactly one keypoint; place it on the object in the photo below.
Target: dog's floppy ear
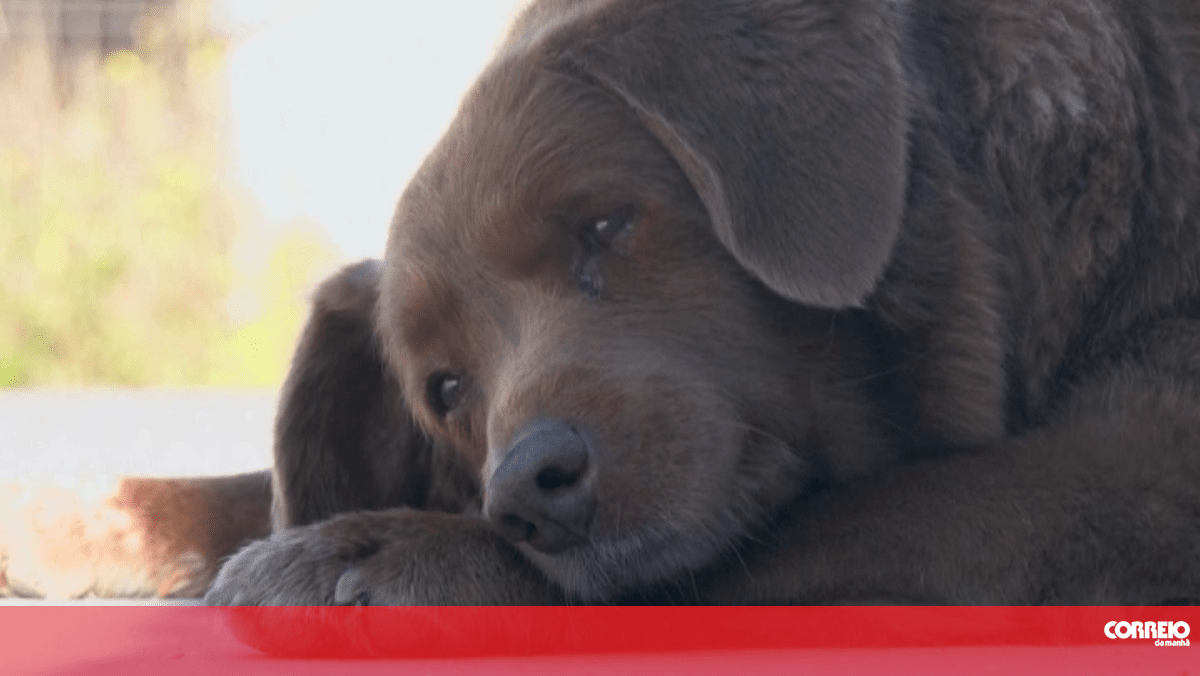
(789, 119)
(344, 438)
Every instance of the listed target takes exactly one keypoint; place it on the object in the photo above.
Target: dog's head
(613, 313)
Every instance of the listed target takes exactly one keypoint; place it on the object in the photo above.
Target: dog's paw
(394, 557)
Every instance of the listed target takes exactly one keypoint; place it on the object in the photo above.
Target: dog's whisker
(882, 373)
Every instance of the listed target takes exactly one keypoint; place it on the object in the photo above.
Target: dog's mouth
(596, 539)
(547, 496)
(605, 565)
(551, 535)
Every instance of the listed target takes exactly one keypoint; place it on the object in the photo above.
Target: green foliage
(117, 226)
(259, 349)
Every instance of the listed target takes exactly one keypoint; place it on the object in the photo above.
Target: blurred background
(175, 177)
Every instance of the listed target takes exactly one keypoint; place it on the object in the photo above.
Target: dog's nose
(538, 494)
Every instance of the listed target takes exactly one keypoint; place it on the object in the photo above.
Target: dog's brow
(428, 305)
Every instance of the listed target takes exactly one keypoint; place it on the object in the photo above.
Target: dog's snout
(539, 494)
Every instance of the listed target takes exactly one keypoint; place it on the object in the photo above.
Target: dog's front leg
(391, 557)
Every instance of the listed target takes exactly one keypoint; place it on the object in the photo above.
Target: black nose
(538, 493)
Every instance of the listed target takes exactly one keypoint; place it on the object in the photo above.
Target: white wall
(335, 102)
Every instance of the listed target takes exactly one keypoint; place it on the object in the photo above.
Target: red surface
(185, 640)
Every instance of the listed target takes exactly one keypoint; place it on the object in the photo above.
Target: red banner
(123, 639)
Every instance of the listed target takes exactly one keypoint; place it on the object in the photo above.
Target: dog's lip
(564, 538)
(610, 564)
(561, 538)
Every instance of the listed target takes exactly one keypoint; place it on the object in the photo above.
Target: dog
(769, 301)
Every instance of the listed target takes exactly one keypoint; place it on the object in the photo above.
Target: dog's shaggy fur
(771, 301)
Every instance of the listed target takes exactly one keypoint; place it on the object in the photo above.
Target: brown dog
(771, 301)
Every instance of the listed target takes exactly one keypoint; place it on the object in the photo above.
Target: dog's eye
(444, 392)
(601, 232)
(596, 237)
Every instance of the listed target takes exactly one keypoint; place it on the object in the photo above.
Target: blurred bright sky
(335, 102)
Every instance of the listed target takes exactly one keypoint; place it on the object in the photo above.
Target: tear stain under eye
(587, 274)
(589, 248)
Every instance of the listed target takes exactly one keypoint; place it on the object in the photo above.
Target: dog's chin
(663, 552)
(602, 569)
